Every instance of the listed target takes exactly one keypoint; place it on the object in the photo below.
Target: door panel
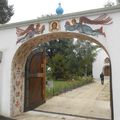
(107, 71)
(35, 80)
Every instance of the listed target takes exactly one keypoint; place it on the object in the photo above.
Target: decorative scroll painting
(29, 32)
(83, 25)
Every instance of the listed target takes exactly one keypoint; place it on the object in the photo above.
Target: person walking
(102, 78)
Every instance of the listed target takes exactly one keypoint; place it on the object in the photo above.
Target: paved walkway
(90, 102)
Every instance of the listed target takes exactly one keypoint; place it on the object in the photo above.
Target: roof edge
(48, 18)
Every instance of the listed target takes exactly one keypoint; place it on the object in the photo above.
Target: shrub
(64, 86)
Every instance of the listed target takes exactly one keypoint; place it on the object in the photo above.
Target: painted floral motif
(83, 27)
(17, 104)
(29, 32)
(18, 94)
(18, 83)
(17, 91)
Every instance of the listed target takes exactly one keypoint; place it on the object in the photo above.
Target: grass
(60, 86)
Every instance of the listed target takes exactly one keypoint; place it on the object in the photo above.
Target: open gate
(35, 70)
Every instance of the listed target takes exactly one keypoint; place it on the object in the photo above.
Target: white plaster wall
(111, 42)
(99, 64)
(4, 87)
(8, 47)
(1, 78)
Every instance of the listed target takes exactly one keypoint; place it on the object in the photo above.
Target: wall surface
(1, 78)
(8, 45)
(99, 64)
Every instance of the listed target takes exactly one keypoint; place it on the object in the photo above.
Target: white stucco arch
(19, 61)
(13, 52)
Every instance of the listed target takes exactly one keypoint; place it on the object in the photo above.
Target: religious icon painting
(54, 26)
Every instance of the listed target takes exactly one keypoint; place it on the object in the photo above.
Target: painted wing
(103, 19)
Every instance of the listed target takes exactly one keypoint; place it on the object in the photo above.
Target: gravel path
(91, 101)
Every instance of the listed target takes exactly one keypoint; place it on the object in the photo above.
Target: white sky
(31, 9)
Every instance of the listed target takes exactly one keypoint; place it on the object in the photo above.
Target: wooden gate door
(35, 80)
(107, 71)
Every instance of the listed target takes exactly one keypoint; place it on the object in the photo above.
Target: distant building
(101, 64)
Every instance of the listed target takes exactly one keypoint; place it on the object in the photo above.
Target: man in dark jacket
(102, 78)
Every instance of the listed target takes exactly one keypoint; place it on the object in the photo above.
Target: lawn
(60, 86)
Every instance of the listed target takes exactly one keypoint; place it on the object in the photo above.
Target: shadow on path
(5, 118)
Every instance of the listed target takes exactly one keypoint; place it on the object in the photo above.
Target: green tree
(109, 4)
(58, 66)
(61, 46)
(67, 58)
(6, 11)
(86, 53)
(58, 56)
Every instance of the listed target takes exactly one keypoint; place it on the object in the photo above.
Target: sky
(32, 9)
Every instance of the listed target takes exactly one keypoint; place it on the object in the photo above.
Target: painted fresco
(29, 32)
(83, 25)
(54, 26)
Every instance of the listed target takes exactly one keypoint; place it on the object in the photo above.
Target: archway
(19, 61)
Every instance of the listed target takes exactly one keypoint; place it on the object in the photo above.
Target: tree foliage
(109, 4)
(68, 58)
(86, 53)
(6, 11)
